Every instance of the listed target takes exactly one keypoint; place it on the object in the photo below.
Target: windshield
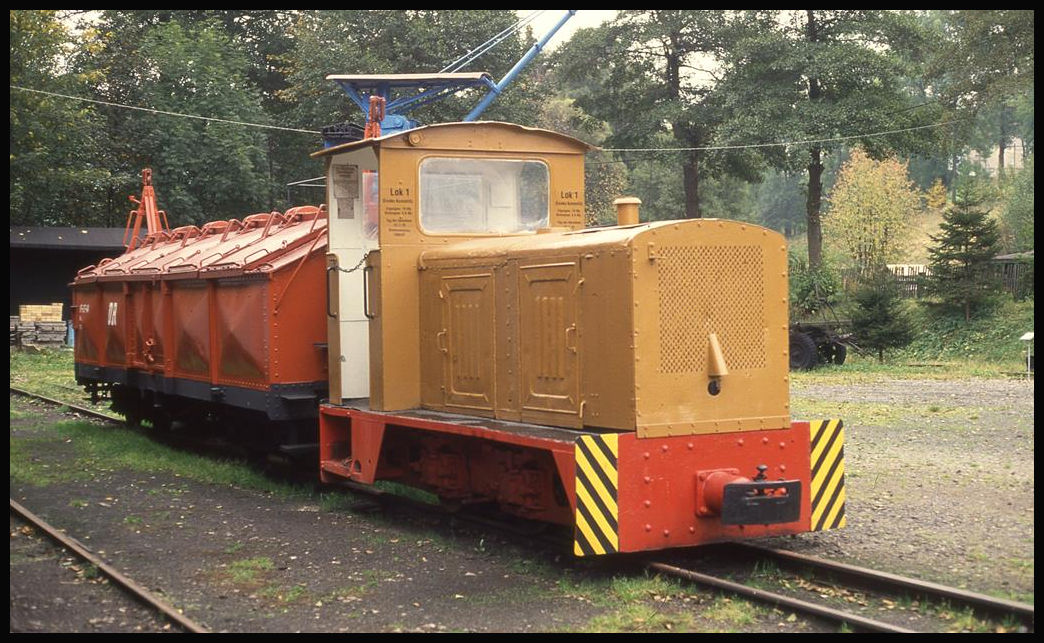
(483, 196)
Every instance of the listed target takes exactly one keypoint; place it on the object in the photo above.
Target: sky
(583, 18)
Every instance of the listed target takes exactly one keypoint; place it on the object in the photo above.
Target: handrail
(300, 264)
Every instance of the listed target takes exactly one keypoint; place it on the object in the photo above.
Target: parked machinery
(468, 336)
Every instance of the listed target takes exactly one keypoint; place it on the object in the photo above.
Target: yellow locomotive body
(631, 381)
(662, 328)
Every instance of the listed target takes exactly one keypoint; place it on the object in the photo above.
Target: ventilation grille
(711, 289)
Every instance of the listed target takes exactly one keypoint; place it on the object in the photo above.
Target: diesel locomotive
(446, 321)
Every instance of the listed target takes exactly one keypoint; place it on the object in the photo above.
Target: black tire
(803, 354)
(839, 353)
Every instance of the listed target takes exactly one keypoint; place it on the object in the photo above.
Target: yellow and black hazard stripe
(828, 474)
(597, 530)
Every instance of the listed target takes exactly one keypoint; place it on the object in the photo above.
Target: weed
(247, 571)
(966, 621)
(640, 618)
(292, 594)
(89, 572)
(730, 612)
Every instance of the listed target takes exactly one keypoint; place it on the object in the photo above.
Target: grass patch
(640, 618)
(48, 373)
(730, 613)
(988, 340)
(248, 571)
(288, 595)
(873, 413)
(633, 603)
(964, 620)
(98, 449)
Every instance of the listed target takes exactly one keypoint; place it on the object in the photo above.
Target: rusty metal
(872, 578)
(139, 592)
(155, 219)
(854, 620)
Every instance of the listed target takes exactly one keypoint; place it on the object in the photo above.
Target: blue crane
(387, 98)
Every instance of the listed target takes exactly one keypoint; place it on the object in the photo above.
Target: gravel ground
(939, 486)
(939, 477)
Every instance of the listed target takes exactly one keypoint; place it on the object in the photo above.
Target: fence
(909, 278)
(1015, 276)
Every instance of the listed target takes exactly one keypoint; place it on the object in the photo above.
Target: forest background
(749, 115)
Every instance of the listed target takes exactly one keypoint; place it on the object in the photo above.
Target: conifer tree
(880, 320)
(961, 254)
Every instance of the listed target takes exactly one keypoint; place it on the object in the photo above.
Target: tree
(814, 75)
(653, 78)
(985, 56)
(981, 71)
(880, 320)
(186, 64)
(871, 207)
(605, 178)
(961, 254)
(54, 140)
(1018, 210)
(935, 197)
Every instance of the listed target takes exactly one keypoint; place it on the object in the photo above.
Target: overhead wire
(164, 112)
(478, 51)
(601, 149)
(779, 144)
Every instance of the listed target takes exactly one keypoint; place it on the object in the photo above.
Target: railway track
(879, 583)
(82, 410)
(826, 571)
(135, 590)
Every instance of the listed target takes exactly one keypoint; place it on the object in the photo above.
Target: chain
(353, 269)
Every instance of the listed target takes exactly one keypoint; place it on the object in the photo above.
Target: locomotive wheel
(803, 355)
(838, 354)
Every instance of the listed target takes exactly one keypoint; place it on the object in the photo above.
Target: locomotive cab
(392, 198)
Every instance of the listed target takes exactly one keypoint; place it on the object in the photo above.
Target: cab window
(483, 196)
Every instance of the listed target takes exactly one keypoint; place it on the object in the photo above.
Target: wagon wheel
(133, 417)
(161, 420)
(838, 353)
(803, 354)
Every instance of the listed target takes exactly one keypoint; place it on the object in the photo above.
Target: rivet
(782, 467)
(692, 530)
(647, 503)
(646, 454)
(664, 448)
(648, 528)
(648, 480)
(689, 445)
(782, 445)
(739, 442)
(764, 440)
(666, 533)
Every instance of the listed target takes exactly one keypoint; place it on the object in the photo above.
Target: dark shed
(45, 260)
